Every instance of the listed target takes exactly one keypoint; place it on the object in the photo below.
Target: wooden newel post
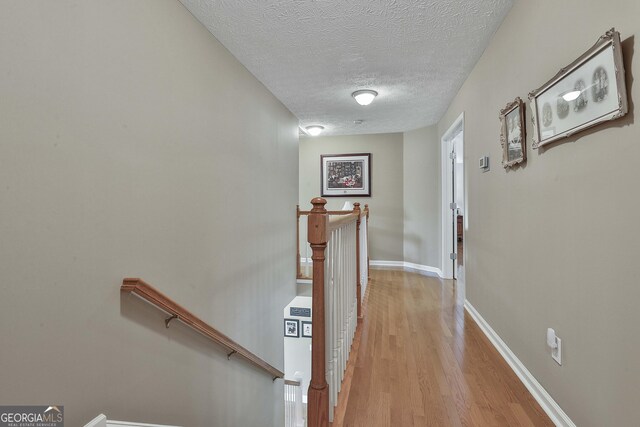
(366, 207)
(318, 395)
(356, 209)
(298, 268)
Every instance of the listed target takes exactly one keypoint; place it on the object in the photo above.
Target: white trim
(378, 263)
(418, 268)
(553, 410)
(99, 421)
(447, 226)
(111, 423)
(102, 421)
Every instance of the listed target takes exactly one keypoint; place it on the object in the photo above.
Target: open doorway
(454, 214)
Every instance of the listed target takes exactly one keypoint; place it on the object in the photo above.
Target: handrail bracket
(169, 319)
(175, 311)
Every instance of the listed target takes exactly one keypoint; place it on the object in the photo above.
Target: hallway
(422, 361)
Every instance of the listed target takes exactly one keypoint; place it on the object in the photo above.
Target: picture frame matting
(345, 175)
(587, 92)
(306, 329)
(292, 328)
(513, 133)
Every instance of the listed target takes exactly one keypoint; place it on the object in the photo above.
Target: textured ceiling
(312, 54)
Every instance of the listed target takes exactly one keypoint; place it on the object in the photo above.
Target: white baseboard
(422, 268)
(553, 410)
(409, 266)
(102, 421)
(396, 264)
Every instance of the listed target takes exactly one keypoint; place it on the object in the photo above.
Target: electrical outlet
(556, 353)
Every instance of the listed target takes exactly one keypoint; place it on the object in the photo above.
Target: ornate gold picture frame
(589, 91)
(513, 134)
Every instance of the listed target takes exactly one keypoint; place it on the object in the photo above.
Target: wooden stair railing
(293, 406)
(147, 292)
(363, 261)
(339, 257)
(318, 394)
(299, 214)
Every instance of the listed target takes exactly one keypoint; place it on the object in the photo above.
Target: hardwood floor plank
(422, 361)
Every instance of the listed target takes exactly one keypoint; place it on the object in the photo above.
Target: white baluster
(329, 280)
(341, 301)
(299, 414)
(308, 263)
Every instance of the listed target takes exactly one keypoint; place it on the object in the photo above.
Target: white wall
(405, 203)
(297, 351)
(422, 200)
(386, 223)
(134, 144)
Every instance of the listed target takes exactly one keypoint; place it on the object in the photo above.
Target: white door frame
(447, 197)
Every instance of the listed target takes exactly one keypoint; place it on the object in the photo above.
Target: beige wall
(422, 213)
(386, 226)
(134, 144)
(553, 244)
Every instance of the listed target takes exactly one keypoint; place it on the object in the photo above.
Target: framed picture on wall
(589, 91)
(292, 328)
(306, 329)
(345, 175)
(512, 136)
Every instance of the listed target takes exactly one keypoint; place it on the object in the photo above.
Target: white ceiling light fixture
(411, 71)
(314, 130)
(571, 96)
(365, 96)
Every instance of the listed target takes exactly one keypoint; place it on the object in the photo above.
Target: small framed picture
(345, 175)
(512, 137)
(292, 328)
(306, 329)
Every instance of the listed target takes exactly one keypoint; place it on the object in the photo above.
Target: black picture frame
(292, 328)
(303, 331)
(345, 175)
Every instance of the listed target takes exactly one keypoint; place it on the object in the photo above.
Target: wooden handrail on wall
(147, 292)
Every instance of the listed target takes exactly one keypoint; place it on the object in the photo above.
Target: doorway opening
(454, 213)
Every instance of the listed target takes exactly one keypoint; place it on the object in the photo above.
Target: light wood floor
(422, 361)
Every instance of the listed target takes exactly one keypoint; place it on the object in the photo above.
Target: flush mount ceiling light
(314, 130)
(365, 96)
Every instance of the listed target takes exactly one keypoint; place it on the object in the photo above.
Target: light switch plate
(483, 163)
(556, 353)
